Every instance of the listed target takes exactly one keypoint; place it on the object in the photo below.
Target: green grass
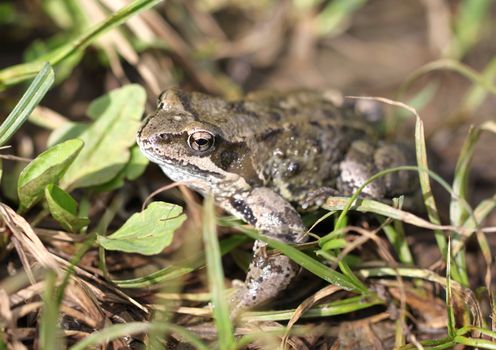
(215, 273)
(102, 198)
(32, 97)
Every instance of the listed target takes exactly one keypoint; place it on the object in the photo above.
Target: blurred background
(417, 51)
(438, 56)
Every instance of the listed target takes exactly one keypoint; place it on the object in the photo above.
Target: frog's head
(186, 140)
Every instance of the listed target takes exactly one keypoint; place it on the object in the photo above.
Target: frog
(268, 157)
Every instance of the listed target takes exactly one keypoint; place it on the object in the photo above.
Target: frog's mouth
(148, 150)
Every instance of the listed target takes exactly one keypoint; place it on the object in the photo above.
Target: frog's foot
(267, 276)
(317, 197)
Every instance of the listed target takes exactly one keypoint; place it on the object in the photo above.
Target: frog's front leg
(268, 274)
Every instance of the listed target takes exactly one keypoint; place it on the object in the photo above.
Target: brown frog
(265, 157)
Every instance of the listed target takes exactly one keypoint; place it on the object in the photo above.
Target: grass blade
(50, 333)
(475, 97)
(338, 307)
(449, 294)
(472, 17)
(21, 72)
(181, 268)
(476, 343)
(31, 98)
(305, 261)
(216, 277)
(448, 64)
(425, 184)
(481, 212)
(372, 206)
(458, 213)
(330, 20)
(396, 235)
(128, 329)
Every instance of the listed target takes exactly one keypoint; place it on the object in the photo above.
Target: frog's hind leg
(269, 274)
(390, 155)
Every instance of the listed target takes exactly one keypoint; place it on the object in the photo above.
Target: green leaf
(108, 140)
(47, 168)
(133, 169)
(27, 103)
(136, 165)
(64, 208)
(147, 232)
(66, 131)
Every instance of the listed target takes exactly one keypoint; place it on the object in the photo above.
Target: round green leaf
(45, 169)
(64, 208)
(147, 232)
(117, 117)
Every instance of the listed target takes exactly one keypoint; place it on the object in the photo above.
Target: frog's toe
(317, 197)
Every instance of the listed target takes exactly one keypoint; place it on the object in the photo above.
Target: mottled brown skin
(266, 156)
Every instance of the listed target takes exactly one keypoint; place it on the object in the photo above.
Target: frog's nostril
(163, 137)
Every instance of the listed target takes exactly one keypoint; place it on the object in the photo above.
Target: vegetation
(96, 256)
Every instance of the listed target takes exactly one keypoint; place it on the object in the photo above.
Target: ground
(437, 56)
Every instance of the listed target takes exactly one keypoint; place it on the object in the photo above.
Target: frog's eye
(201, 140)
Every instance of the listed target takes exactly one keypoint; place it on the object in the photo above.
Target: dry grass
(373, 281)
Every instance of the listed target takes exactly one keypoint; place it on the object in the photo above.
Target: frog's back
(300, 138)
(262, 110)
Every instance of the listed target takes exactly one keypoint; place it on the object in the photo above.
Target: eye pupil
(201, 141)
